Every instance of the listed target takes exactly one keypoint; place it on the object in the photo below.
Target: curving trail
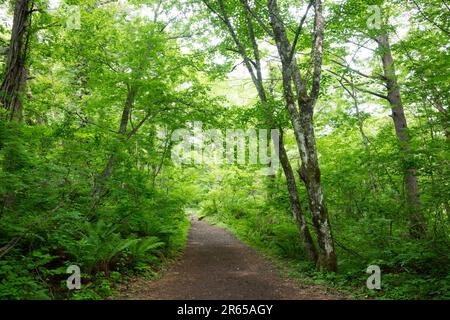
(216, 265)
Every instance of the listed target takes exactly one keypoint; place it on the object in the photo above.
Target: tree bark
(15, 75)
(417, 220)
(302, 123)
(294, 200)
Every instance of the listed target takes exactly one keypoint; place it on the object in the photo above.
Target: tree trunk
(310, 174)
(99, 187)
(15, 75)
(294, 201)
(417, 220)
(302, 124)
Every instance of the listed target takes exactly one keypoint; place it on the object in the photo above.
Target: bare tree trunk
(15, 76)
(418, 224)
(302, 123)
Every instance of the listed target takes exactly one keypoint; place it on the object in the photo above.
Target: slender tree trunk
(99, 187)
(310, 174)
(15, 75)
(302, 123)
(294, 201)
(418, 224)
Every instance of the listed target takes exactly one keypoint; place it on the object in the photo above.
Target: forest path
(216, 265)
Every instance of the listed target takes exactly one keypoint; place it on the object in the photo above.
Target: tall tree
(300, 104)
(379, 34)
(418, 225)
(254, 67)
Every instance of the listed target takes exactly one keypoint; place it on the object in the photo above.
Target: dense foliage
(86, 173)
(52, 162)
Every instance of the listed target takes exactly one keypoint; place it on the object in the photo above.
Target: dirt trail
(216, 265)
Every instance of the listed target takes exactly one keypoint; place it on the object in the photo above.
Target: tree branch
(429, 19)
(299, 30)
(260, 22)
(377, 77)
(341, 77)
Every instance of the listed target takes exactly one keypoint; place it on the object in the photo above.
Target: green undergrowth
(410, 270)
(49, 221)
(104, 262)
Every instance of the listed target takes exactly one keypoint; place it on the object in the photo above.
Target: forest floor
(216, 265)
